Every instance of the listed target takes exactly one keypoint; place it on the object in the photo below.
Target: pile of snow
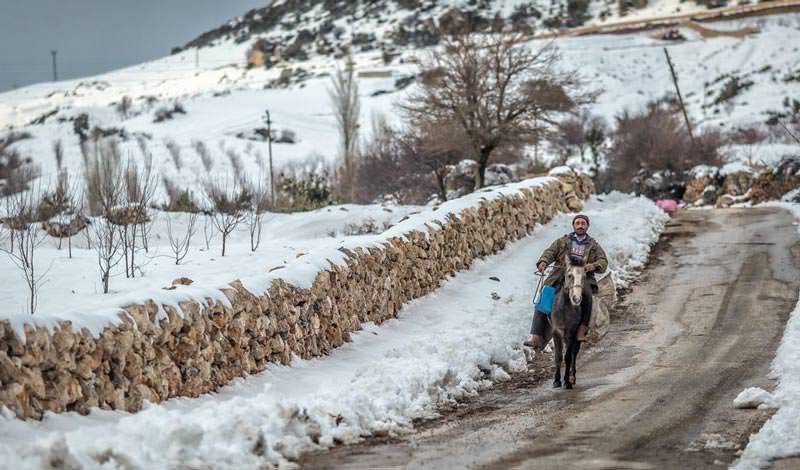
(561, 171)
(704, 171)
(735, 167)
(778, 437)
(443, 347)
(754, 397)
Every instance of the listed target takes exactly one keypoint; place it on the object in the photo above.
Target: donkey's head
(574, 274)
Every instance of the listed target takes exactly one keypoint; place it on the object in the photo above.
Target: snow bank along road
(703, 323)
(443, 347)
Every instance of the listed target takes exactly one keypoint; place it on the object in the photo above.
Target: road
(775, 7)
(702, 323)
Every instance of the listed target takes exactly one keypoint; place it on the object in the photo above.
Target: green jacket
(558, 251)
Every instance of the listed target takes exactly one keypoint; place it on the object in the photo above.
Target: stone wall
(208, 343)
(753, 185)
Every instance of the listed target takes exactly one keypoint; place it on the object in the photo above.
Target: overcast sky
(94, 36)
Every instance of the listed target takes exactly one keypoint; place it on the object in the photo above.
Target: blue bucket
(545, 304)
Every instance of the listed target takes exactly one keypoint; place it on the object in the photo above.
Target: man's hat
(581, 216)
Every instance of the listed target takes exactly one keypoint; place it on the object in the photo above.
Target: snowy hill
(299, 28)
(726, 81)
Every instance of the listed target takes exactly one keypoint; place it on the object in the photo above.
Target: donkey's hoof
(568, 385)
(556, 384)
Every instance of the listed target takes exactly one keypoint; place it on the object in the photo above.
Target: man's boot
(535, 342)
(582, 332)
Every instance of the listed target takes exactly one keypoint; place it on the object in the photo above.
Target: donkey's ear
(566, 260)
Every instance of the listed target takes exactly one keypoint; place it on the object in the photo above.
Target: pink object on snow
(667, 205)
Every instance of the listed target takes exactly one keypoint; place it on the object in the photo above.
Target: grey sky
(94, 36)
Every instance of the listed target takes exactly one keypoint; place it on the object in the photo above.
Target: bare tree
(208, 225)
(16, 172)
(496, 89)
(124, 106)
(205, 155)
(432, 149)
(108, 244)
(140, 186)
(180, 243)
(60, 211)
(26, 236)
(652, 141)
(175, 152)
(346, 108)
(103, 175)
(105, 196)
(259, 205)
(229, 202)
(58, 152)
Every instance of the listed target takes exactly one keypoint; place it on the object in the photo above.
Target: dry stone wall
(147, 356)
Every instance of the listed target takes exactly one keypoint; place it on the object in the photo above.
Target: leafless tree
(496, 89)
(26, 235)
(259, 206)
(205, 155)
(346, 107)
(133, 216)
(107, 240)
(237, 165)
(654, 140)
(60, 210)
(16, 171)
(229, 203)
(103, 175)
(58, 152)
(175, 152)
(105, 197)
(407, 164)
(433, 149)
(208, 225)
(124, 106)
(180, 242)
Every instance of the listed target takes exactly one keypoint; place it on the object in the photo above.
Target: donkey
(565, 319)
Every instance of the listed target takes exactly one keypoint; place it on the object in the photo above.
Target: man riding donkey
(575, 244)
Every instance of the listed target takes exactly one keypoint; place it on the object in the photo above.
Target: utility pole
(55, 68)
(271, 178)
(680, 98)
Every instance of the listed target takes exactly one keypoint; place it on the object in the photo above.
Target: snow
(224, 99)
(300, 245)
(735, 167)
(778, 437)
(703, 171)
(754, 397)
(441, 348)
(561, 171)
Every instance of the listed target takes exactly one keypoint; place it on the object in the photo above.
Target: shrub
(175, 152)
(165, 114)
(652, 141)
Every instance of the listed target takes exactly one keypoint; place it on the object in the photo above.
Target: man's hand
(541, 266)
(590, 268)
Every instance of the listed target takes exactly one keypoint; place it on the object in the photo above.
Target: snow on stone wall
(156, 352)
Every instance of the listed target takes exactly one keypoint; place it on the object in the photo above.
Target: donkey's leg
(557, 355)
(575, 361)
(569, 362)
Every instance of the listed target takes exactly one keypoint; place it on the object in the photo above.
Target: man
(577, 243)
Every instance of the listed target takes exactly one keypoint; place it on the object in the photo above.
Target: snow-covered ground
(74, 284)
(778, 437)
(442, 347)
(225, 101)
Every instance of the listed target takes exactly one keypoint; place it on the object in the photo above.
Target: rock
(182, 281)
